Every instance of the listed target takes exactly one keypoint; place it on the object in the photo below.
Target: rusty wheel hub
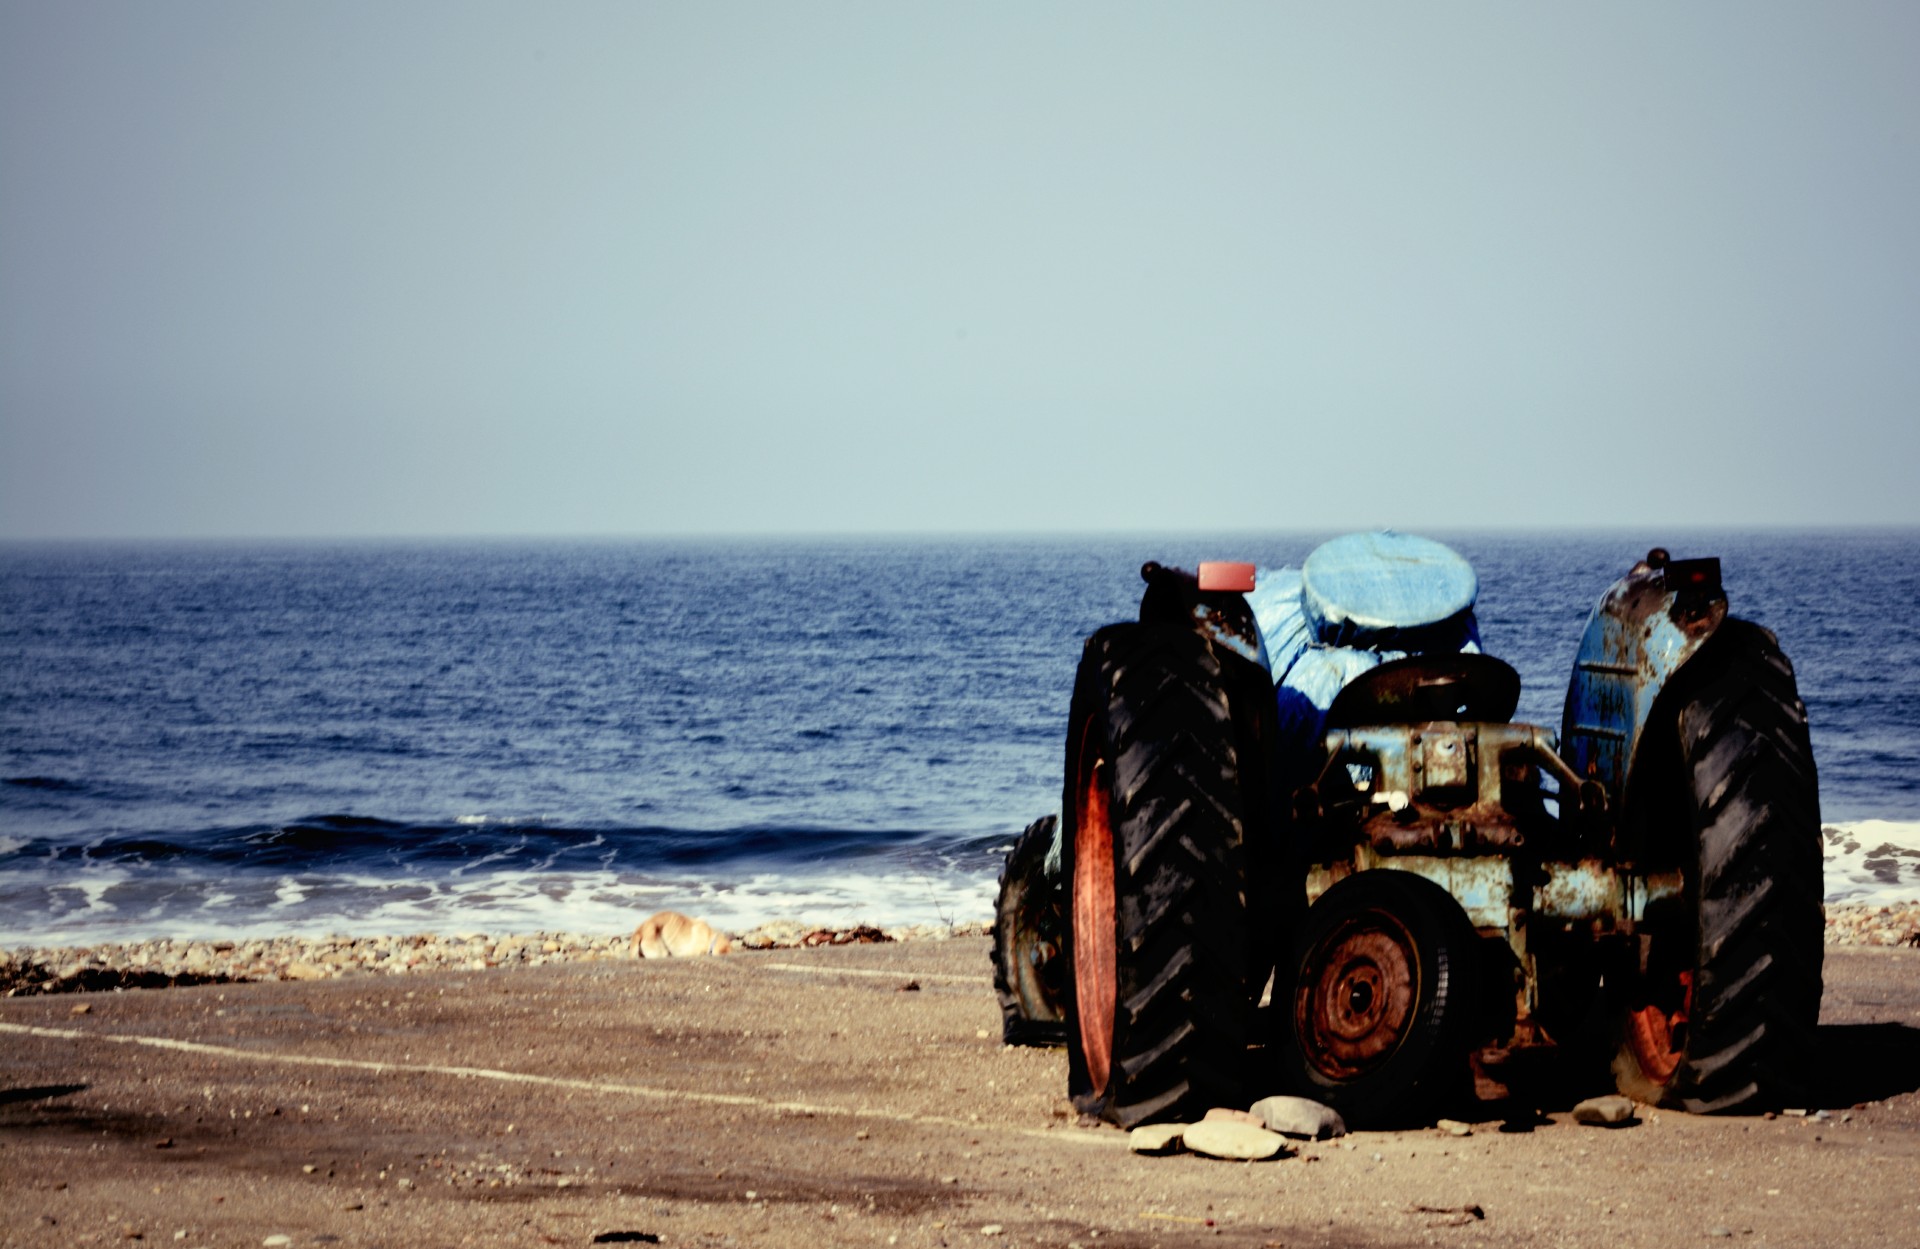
(1356, 996)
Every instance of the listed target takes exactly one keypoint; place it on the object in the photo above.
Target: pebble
(1156, 1138)
(272, 1242)
(1453, 1127)
(1854, 923)
(156, 963)
(1300, 1117)
(991, 1229)
(1238, 1142)
(1610, 1111)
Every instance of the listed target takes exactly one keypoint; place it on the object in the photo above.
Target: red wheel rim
(1656, 1032)
(1094, 958)
(1356, 996)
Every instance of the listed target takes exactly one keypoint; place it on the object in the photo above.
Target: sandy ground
(840, 1096)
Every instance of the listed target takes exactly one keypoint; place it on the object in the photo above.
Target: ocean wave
(357, 842)
(362, 876)
(52, 783)
(118, 907)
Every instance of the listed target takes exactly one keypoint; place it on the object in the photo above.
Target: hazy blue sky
(643, 268)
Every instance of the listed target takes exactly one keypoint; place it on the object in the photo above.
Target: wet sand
(853, 1095)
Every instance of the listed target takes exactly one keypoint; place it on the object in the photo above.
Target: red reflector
(1222, 575)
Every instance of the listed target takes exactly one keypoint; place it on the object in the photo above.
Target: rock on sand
(1300, 1117)
(1238, 1142)
(1609, 1111)
(1156, 1138)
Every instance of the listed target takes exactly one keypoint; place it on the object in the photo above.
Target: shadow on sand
(1866, 1062)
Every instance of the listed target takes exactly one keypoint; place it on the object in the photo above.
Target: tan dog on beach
(672, 935)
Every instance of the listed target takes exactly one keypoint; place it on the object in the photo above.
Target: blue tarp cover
(1359, 601)
(1364, 589)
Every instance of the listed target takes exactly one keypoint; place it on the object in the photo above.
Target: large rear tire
(1721, 1017)
(1029, 936)
(1382, 1000)
(1162, 773)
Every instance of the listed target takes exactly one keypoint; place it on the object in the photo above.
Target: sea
(229, 740)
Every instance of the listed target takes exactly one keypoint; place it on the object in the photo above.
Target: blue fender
(1645, 628)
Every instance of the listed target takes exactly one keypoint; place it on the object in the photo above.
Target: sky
(362, 269)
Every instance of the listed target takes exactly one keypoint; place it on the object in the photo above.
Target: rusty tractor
(1304, 848)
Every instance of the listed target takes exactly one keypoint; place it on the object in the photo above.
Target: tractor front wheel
(1029, 934)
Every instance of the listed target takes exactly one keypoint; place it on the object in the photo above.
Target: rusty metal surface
(1440, 787)
(1482, 885)
(1353, 1011)
(1462, 805)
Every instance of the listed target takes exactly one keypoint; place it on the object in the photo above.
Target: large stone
(1611, 1111)
(1300, 1117)
(1226, 1114)
(1156, 1138)
(1238, 1142)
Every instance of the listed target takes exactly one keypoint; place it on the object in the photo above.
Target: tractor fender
(1644, 630)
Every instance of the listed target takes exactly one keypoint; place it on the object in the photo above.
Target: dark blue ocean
(209, 739)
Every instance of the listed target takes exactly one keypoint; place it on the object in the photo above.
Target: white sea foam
(1867, 861)
(1873, 861)
(591, 902)
(11, 845)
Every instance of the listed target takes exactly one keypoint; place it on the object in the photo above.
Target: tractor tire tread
(1182, 1011)
(1025, 891)
(1743, 737)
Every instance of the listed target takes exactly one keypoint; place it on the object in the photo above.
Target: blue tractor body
(1644, 630)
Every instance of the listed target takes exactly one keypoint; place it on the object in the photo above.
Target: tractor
(1304, 848)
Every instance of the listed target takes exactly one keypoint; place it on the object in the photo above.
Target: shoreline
(170, 962)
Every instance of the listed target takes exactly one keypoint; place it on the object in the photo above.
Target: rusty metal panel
(1483, 886)
(1443, 760)
(1586, 890)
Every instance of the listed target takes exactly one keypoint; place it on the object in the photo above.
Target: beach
(168, 962)
(830, 1095)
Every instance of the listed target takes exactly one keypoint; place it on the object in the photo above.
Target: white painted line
(890, 975)
(558, 1082)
